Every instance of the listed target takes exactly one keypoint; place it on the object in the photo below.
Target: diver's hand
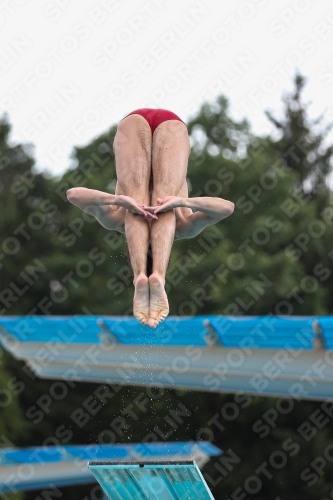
(165, 204)
(133, 206)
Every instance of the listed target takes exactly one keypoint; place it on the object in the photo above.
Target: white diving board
(151, 481)
(272, 356)
(39, 467)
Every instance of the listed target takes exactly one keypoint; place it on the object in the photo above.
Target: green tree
(304, 149)
(303, 142)
(12, 424)
(257, 242)
(24, 221)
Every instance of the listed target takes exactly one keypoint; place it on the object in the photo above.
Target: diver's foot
(158, 301)
(141, 299)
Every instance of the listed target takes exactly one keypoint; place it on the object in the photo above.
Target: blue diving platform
(151, 481)
(265, 355)
(39, 467)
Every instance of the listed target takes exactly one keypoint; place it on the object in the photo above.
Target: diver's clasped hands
(133, 206)
(163, 205)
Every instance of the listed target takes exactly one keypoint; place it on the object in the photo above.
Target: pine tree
(302, 143)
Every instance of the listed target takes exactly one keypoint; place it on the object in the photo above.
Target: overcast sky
(69, 69)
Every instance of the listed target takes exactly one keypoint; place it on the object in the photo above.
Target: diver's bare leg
(171, 149)
(132, 148)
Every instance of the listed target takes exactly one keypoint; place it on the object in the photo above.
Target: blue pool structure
(269, 355)
(40, 467)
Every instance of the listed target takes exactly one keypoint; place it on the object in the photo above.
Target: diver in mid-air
(151, 204)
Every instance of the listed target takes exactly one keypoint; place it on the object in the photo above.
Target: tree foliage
(302, 144)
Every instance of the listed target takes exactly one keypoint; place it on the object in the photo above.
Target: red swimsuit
(155, 116)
